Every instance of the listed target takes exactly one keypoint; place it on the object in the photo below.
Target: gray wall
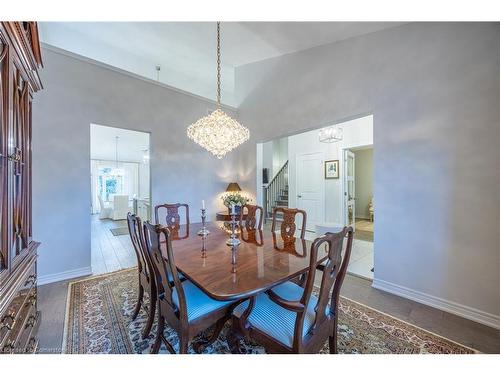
(267, 158)
(77, 93)
(363, 182)
(434, 92)
(280, 154)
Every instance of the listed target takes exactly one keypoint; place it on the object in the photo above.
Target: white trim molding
(66, 275)
(467, 312)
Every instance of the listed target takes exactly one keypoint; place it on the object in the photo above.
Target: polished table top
(225, 216)
(263, 260)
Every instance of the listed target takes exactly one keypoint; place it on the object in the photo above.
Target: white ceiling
(131, 144)
(186, 50)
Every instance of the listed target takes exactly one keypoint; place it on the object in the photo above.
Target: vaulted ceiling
(185, 51)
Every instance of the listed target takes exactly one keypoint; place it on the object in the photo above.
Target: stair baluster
(274, 192)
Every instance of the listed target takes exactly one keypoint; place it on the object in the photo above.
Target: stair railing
(274, 189)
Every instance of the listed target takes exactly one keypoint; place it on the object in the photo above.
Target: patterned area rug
(99, 309)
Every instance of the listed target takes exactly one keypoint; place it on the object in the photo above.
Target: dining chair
(288, 226)
(105, 209)
(182, 305)
(120, 207)
(251, 217)
(172, 217)
(293, 319)
(146, 273)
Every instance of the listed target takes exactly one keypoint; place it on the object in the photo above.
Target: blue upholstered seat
(275, 320)
(197, 302)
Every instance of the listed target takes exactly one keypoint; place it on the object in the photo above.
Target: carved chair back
(172, 215)
(135, 230)
(167, 276)
(293, 245)
(251, 221)
(147, 279)
(333, 276)
(325, 320)
(288, 226)
(254, 236)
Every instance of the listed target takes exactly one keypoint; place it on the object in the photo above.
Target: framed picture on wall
(332, 169)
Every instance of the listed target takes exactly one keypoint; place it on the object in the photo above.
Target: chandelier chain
(218, 64)
(217, 132)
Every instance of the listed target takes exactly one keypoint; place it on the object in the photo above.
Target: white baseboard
(439, 303)
(66, 275)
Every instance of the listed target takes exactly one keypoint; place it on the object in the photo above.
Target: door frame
(345, 188)
(342, 163)
(150, 145)
(322, 185)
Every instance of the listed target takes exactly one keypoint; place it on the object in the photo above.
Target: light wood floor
(110, 253)
(364, 230)
(365, 225)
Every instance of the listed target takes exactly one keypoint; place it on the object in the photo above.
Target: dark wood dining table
(262, 260)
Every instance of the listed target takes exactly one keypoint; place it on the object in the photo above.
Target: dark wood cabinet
(20, 60)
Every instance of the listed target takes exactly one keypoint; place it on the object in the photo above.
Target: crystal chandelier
(218, 133)
(331, 134)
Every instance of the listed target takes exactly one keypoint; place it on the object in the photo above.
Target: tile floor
(361, 262)
(362, 259)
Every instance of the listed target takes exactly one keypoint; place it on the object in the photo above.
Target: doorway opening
(359, 208)
(120, 183)
(331, 180)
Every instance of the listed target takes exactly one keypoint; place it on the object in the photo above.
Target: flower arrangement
(234, 198)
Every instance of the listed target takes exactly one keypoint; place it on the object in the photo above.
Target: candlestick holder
(233, 241)
(233, 259)
(203, 231)
(203, 247)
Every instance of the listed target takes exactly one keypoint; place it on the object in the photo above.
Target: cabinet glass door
(3, 150)
(17, 179)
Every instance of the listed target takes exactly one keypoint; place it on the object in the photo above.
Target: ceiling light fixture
(218, 133)
(331, 134)
(116, 171)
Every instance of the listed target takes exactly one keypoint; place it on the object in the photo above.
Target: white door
(311, 188)
(349, 188)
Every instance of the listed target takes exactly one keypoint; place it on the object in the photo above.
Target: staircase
(276, 193)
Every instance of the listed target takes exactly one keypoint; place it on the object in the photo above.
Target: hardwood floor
(52, 303)
(109, 252)
(363, 224)
(364, 230)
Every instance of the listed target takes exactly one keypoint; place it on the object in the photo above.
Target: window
(110, 178)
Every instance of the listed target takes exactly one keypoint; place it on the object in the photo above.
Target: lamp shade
(233, 186)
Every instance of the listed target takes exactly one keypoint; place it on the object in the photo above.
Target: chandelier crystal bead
(218, 133)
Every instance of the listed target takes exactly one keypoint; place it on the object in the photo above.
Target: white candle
(203, 204)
